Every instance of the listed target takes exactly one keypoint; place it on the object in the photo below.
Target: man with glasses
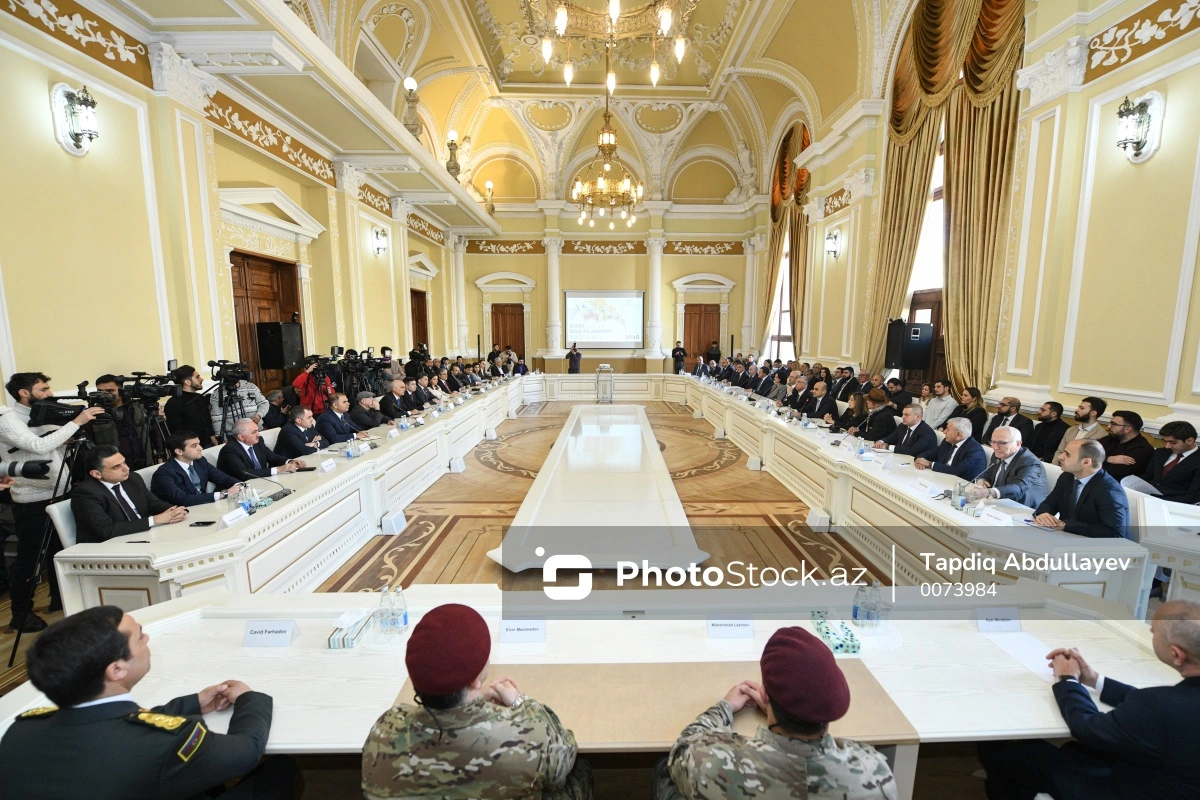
(1014, 473)
(1008, 412)
(1126, 451)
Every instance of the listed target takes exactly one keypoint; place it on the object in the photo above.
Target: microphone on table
(283, 490)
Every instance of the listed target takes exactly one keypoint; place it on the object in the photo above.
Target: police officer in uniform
(803, 690)
(99, 744)
(468, 738)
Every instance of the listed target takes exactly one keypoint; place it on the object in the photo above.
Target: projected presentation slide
(604, 320)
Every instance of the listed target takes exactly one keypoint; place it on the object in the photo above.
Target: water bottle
(874, 600)
(386, 610)
(860, 600)
(399, 612)
(804, 419)
(245, 499)
(351, 450)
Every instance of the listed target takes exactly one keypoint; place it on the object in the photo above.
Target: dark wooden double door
(264, 290)
(508, 328)
(701, 327)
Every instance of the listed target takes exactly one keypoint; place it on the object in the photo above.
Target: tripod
(232, 408)
(72, 458)
(153, 432)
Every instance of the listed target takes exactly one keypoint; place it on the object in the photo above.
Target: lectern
(604, 383)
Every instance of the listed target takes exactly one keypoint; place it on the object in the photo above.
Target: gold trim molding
(426, 229)
(727, 248)
(235, 118)
(1139, 34)
(492, 247)
(85, 31)
(375, 199)
(836, 201)
(578, 247)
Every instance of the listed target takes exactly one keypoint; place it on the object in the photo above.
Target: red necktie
(1170, 465)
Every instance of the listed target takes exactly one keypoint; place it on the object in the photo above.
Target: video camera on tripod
(147, 389)
(230, 373)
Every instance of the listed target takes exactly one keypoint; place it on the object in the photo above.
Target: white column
(401, 208)
(554, 348)
(460, 293)
(306, 304)
(748, 297)
(653, 344)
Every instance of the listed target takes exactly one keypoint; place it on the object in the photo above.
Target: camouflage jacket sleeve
(560, 748)
(682, 763)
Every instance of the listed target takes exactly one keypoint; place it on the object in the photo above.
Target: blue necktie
(253, 458)
(194, 475)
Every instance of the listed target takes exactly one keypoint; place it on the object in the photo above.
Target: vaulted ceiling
(752, 69)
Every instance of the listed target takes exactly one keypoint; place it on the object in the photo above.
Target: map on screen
(604, 320)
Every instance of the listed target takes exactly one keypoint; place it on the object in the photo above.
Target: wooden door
(701, 327)
(508, 326)
(420, 317)
(927, 307)
(263, 291)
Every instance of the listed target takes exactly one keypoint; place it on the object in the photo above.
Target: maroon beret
(447, 649)
(802, 677)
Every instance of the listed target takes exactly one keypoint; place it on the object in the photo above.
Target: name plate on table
(998, 620)
(731, 629)
(522, 630)
(435, 414)
(269, 633)
(927, 487)
(393, 433)
(328, 465)
(233, 516)
(364, 448)
(994, 516)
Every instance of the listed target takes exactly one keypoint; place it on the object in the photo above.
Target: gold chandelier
(605, 195)
(653, 21)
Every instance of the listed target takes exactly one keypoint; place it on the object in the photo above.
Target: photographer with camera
(314, 385)
(394, 368)
(128, 421)
(22, 442)
(189, 411)
(235, 398)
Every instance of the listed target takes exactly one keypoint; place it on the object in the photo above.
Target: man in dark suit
(1145, 747)
(414, 404)
(798, 395)
(454, 380)
(765, 383)
(245, 455)
(1043, 442)
(88, 665)
(821, 403)
(184, 478)
(1126, 451)
(299, 437)
(959, 455)
(112, 501)
(1174, 470)
(1008, 412)
(725, 370)
(393, 404)
(1014, 474)
(740, 378)
(1086, 499)
(912, 437)
(898, 398)
(713, 353)
(366, 413)
(335, 425)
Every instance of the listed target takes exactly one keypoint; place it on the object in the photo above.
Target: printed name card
(522, 630)
(328, 465)
(233, 516)
(998, 620)
(926, 487)
(393, 433)
(994, 516)
(269, 633)
(364, 448)
(730, 628)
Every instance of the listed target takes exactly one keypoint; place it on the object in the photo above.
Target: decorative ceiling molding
(426, 229)
(865, 116)
(583, 247)
(506, 282)
(374, 198)
(704, 248)
(835, 202)
(703, 282)
(421, 266)
(1058, 72)
(657, 149)
(1139, 34)
(87, 32)
(238, 120)
(239, 52)
(179, 78)
(495, 247)
(302, 228)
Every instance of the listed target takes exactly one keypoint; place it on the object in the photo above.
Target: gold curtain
(981, 132)
(783, 206)
(798, 255)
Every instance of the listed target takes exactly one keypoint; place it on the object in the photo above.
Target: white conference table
(953, 683)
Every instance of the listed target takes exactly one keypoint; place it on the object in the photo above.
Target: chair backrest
(147, 473)
(941, 437)
(64, 522)
(269, 437)
(211, 454)
(1053, 473)
(991, 415)
(842, 406)
(987, 451)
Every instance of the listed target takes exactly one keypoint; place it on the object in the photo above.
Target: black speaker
(280, 345)
(909, 345)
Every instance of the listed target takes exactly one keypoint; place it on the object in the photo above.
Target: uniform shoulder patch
(43, 711)
(193, 742)
(164, 722)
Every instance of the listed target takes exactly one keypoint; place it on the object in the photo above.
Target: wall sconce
(833, 243)
(1139, 126)
(75, 124)
(409, 118)
(380, 240)
(452, 162)
(488, 205)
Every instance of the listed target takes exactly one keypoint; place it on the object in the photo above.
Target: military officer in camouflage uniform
(468, 738)
(793, 757)
(98, 744)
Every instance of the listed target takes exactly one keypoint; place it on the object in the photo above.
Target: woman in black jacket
(854, 415)
(880, 420)
(971, 407)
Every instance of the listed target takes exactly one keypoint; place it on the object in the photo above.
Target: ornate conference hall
(478, 389)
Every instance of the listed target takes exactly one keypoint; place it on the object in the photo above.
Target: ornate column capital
(553, 243)
(658, 243)
(458, 242)
(180, 78)
(1060, 71)
(401, 208)
(349, 179)
(814, 209)
(861, 184)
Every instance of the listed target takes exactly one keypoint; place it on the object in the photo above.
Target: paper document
(1029, 651)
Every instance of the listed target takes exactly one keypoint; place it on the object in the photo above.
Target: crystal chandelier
(558, 19)
(605, 195)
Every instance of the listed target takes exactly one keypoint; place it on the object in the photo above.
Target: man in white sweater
(20, 442)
